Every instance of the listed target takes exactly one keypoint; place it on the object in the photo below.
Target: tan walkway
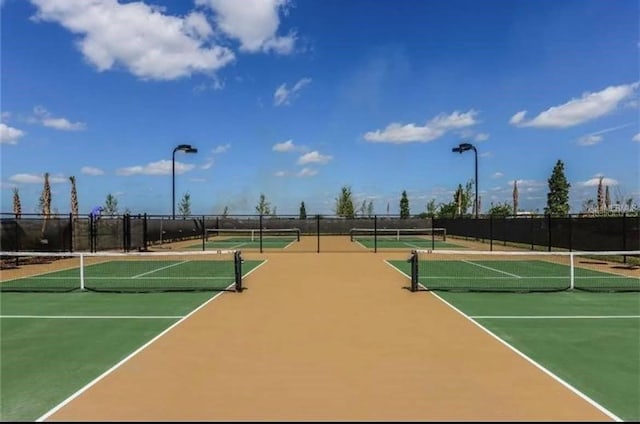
(327, 336)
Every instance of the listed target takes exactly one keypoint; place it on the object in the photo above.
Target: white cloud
(435, 128)
(593, 182)
(497, 175)
(162, 167)
(577, 111)
(9, 135)
(283, 95)
(481, 137)
(595, 137)
(36, 179)
(280, 173)
(42, 116)
(221, 149)
(307, 172)
(90, 170)
(207, 164)
(138, 37)
(518, 117)
(254, 23)
(285, 146)
(62, 124)
(314, 157)
(590, 140)
(636, 137)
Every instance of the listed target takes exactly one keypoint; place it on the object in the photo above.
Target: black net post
(433, 238)
(413, 260)
(237, 263)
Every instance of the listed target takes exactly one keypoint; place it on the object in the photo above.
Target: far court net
(514, 271)
(133, 272)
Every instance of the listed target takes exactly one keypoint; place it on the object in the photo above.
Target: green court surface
(589, 340)
(405, 242)
(53, 344)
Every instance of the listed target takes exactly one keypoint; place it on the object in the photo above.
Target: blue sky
(295, 99)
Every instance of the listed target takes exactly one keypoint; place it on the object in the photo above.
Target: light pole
(463, 147)
(187, 148)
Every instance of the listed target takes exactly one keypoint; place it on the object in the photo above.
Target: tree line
(557, 202)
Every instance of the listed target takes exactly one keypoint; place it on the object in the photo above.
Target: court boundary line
(491, 269)
(519, 353)
(90, 316)
(554, 316)
(135, 352)
(159, 269)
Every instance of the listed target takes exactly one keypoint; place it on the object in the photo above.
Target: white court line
(90, 317)
(215, 277)
(159, 269)
(140, 349)
(555, 317)
(525, 357)
(491, 269)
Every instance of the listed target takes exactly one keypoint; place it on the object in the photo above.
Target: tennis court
(248, 239)
(325, 337)
(587, 335)
(63, 328)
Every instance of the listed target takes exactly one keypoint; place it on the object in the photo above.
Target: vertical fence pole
(549, 232)
(260, 233)
(318, 232)
(491, 232)
(531, 230)
(624, 236)
(71, 232)
(204, 235)
(145, 239)
(375, 233)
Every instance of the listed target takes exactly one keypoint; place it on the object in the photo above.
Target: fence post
(375, 233)
(491, 232)
(260, 233)
(531, 230)
(204, 235)
(71, 232)
(624, 236)
(145, 239)
(318, 232)
(549, 232)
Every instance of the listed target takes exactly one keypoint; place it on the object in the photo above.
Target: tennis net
(252, 234)
(134, 272)
(399, 234)
(515, 271)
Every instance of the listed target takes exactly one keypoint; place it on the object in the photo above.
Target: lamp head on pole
(463, 147)
(187, 148)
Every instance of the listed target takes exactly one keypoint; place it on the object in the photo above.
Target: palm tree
(45, 200)
(17, 207)
(74, 197)
(46, 197)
